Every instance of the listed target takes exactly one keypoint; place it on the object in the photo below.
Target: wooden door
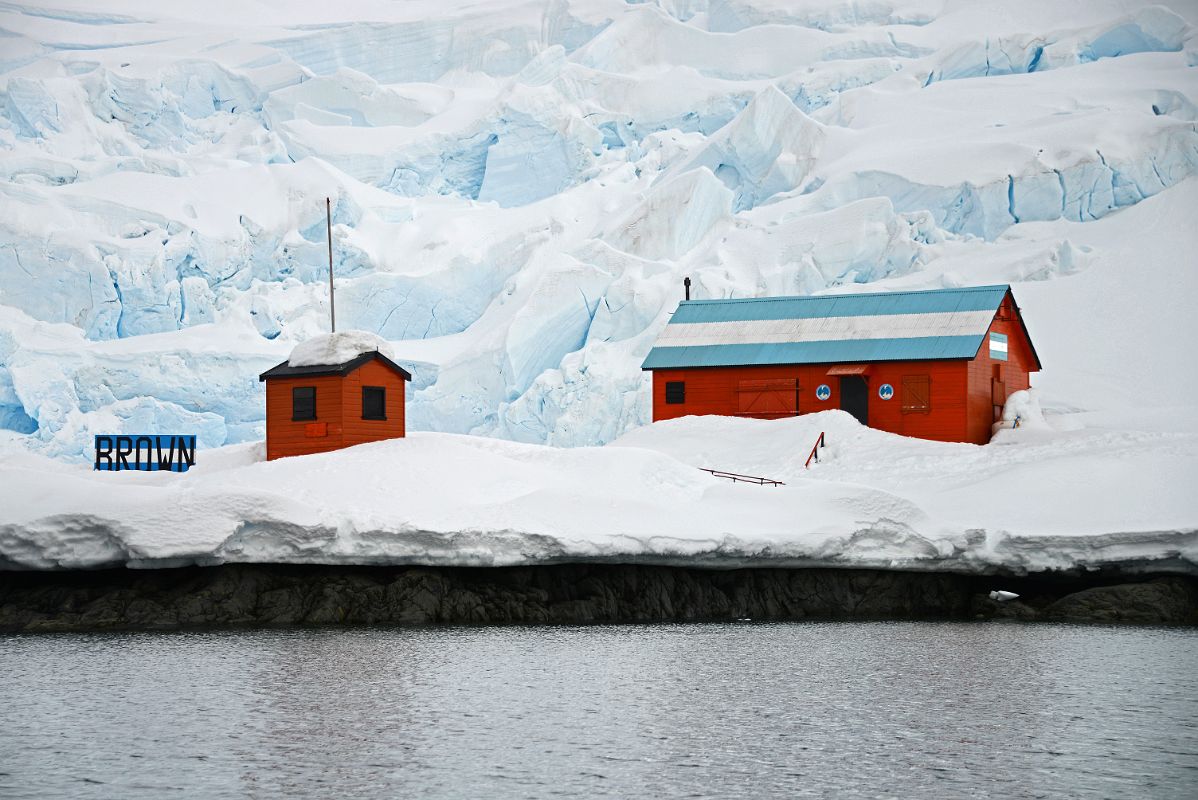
(778, 397)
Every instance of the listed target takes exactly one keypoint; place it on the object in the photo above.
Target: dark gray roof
(285, 370)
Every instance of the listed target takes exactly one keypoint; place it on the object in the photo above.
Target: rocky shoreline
(265, 595)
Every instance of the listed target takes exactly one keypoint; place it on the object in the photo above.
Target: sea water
(935, 710)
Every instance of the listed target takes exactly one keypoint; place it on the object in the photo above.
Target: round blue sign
(885, 391)
(823, 391)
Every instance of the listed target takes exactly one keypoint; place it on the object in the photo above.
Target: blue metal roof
(850, 351)
(977, 298)
(851, 346)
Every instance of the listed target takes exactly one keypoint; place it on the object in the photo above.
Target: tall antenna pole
(328, 212)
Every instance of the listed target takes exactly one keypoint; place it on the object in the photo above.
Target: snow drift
(874, 499)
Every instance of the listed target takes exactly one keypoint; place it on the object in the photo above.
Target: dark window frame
(910, 407)
(382, 414)
(676, 393)
(295, 407)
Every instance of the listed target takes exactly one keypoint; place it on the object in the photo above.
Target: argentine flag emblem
(998, 346)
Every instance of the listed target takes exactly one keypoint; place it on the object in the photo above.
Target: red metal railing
(737, 478)
(815, 450)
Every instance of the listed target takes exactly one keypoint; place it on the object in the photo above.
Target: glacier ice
(527, 162)
(735, 15)
(1148, 30)
(770, 147)
(30, 108)
(518, 189)
(71, 436)
(675, 216)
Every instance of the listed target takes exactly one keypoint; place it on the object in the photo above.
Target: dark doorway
(854, 397)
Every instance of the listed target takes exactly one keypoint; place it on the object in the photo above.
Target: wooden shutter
(917, 394)
(768, 398)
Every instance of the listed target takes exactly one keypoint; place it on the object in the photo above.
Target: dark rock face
(275, 595)
(985, 608)
(1164, 600)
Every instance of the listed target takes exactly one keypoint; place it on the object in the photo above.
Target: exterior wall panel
(715, 390)
(358, 430)
(285, 437)
(1014, 371)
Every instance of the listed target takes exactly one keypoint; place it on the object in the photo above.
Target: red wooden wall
(357, 430)
(991, 381)
(338, 420)
(714, 390)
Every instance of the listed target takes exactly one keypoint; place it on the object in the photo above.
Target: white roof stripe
(825, 329)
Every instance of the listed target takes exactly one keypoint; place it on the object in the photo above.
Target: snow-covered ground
(518, 189)
(1034, 500)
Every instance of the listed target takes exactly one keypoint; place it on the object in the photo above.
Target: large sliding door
(778, 397)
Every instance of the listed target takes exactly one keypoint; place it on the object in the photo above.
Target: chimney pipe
(686, 284)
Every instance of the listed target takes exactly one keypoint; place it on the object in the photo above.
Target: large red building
(933, 364)
(321, 407)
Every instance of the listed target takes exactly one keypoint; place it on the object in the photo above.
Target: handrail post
(819, 442)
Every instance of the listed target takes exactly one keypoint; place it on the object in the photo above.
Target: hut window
(917, 394)
(374, 402)
(303, 403)
(675, 392)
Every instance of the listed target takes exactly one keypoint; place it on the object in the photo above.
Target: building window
(917, 394)
(374, 402)
(303, 403)
(675, 392)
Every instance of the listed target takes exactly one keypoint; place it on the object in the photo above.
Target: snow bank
(1021, 414)
(336, 348)
(1086, 499)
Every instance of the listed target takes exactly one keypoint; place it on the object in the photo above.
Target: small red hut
(330, 395)
(933, 364)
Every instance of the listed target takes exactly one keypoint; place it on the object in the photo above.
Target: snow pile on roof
(1088, 499)
(329, 349)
